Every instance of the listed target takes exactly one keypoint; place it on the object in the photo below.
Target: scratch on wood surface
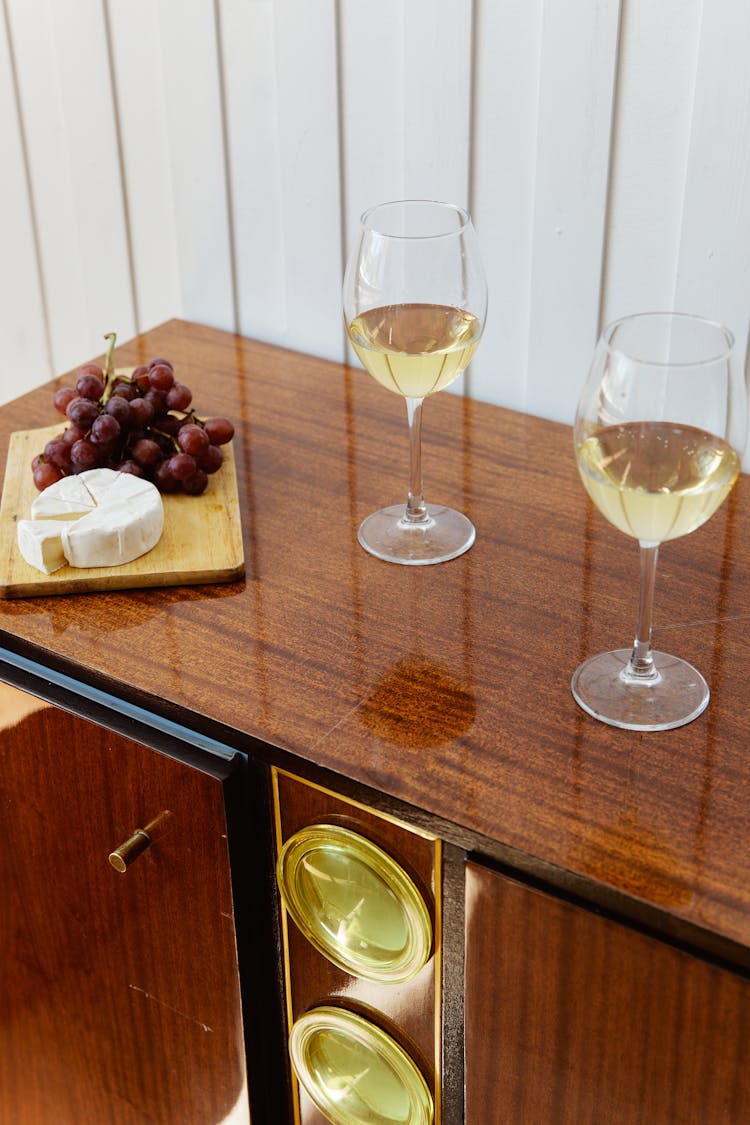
(177, 1011)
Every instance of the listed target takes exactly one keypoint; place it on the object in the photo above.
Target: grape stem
(170, 437)
(109, 367)
(191, 415)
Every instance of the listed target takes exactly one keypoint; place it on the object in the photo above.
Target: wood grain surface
(201, 541)
(445, 687)
(120, 1000)
(572, 1019)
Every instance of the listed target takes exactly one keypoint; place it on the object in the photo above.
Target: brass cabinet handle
(122, 857)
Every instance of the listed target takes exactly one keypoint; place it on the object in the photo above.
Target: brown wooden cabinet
(120, 999)
(576, 1019)
(588, 887)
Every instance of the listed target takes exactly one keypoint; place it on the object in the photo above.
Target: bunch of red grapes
(139, 423)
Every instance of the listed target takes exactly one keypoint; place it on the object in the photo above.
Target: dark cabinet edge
(640, 917)
(249, 812)
(453, 953)
(95, 704)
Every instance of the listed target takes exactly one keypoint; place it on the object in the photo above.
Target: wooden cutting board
(201, 541)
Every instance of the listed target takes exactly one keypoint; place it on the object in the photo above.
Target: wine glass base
(602, 688)
(444, 535)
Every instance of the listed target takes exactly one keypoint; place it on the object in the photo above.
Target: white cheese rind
(66, 499)
(122, 528)
(40, 543)
(92, 519)
(117, 486)
(97, 481)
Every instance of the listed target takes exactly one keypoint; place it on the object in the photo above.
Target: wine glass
(415, 302)
(659, 433)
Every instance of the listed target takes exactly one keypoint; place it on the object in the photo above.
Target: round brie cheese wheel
(105, 518)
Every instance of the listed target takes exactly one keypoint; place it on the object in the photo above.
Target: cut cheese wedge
(66, 499)
(97, 518)
(40, 543)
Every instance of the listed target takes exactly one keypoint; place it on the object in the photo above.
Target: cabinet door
(119, 997)
(573, 1018)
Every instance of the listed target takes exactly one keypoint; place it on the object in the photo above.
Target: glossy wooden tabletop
(445, 686)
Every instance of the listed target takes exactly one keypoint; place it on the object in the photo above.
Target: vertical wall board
(506, 80)
(654, 106)
(53, 184)
(218, 170)
(437, 99)
(141, 113)
(247, 45)
(306, 41)
(193, 97)
(577, 73)
(24, 353)
(91, 140)
(372, 108)
(713, 275)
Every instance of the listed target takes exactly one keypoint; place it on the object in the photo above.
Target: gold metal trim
(276, 773)
(357, 804)
(285, 938)
(438, 984)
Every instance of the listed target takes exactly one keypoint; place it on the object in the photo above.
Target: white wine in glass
(659, 434)
(415, 302)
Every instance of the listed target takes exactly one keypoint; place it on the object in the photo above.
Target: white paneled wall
(209, 159)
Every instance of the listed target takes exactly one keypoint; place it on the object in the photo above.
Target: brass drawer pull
(122, 857)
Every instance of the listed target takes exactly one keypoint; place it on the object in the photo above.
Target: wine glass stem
(416, 509)
(641, 664)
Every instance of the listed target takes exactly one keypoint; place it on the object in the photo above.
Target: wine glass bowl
(658, 435)
(415, 302)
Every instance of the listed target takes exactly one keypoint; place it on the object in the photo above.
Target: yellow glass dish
(354, 903)
(355, 1073)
